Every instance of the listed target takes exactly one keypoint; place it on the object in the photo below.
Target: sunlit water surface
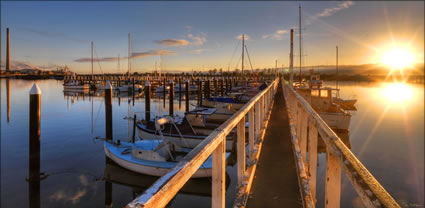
(386, 134)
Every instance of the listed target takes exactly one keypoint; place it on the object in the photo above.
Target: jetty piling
(108, 110)
(34, 147)
(147, 101)
(171, 98)
(187, 95)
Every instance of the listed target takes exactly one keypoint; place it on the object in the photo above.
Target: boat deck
(276, 179)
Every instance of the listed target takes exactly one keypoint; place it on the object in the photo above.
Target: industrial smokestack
(8, 51)
(291, 59)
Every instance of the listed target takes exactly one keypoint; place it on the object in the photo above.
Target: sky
(190, 35)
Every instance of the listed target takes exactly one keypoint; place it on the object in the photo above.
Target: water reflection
(8, 99)
(396, 93)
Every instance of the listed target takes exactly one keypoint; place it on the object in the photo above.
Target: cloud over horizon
(277, 35)
(173, 42)
(239, 37)
(134, 55)
(327, 12)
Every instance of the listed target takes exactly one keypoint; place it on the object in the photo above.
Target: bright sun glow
(397, 93)
(398, 58)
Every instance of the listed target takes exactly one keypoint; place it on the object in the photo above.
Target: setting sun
(398, 58)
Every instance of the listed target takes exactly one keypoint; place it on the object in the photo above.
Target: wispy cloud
(134, 55)
(277, 35)
(330, 11)
(197, 40)
(199, 51)
(52, 34)
(105, 59)
(246, 37)
(173, 42)
(152, 53)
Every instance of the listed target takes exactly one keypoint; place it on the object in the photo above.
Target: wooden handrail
(368, 188)
(165, 188)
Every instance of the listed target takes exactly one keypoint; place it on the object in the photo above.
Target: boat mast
(299, 8)
(119, 68)
(92, 58)
(336, 67)
(128, 64)
(243, 44)
(291, 59)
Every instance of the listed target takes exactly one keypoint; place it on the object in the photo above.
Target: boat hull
(154, 168)
(340, 121)
(188, 141)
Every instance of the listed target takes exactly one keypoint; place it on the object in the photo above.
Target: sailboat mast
(128, 59)
(336, 67)
(92, 58)
(243, 44)
(301, 53)
(291, 59)
(119, 68)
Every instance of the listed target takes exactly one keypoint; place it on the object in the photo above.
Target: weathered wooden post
(180, 93)
(187, 95)
(221, 87)
(219, 176)
(207, 89)
(241, 150)
(147, 101)
(333, 180)
(200, 92)
(108, 110)
(34, 132)
(227, 86)
(134, 128)
(215, 87)
(163, 91)
(312, 157)
(171, 98)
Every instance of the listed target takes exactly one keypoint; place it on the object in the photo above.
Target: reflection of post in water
(108, 193)
(34, 149)
(180, 94)
(8, 99)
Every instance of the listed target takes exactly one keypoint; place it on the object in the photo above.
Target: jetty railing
(258, 112)
(306, 127)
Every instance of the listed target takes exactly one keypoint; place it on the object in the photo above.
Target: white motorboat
(152, 157)
(75, 85)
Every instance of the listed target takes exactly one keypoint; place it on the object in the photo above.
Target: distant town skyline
(186, 36)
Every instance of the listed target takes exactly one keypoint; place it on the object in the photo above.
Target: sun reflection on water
(399, 94)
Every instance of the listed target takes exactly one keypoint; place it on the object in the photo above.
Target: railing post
(333, 181)
(218, 176)
(303, 134)
(251, 129)
(312, 158)
(241, 150)
(257, 118)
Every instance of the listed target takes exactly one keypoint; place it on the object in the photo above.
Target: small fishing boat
(187, 131)
(154, 157)
(75, 85)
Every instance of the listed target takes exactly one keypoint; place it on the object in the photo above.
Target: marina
(294, 136)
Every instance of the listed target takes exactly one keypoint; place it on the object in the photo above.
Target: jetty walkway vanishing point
(281, 156)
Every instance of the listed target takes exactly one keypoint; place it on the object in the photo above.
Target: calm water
(386, 134)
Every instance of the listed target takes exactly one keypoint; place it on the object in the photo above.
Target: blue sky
(51, 34)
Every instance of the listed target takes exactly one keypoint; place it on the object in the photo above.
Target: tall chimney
(291, 59)
(8, 51)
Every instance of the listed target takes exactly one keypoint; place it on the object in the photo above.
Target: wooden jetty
(283, 134)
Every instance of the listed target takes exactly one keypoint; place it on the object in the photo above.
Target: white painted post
(251, 129)
(303, 134)
(241, 150)
(218, 176)
(257, 119)
(333, 181)
(312, 158)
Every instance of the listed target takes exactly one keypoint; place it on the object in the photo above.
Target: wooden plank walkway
(276, 180)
